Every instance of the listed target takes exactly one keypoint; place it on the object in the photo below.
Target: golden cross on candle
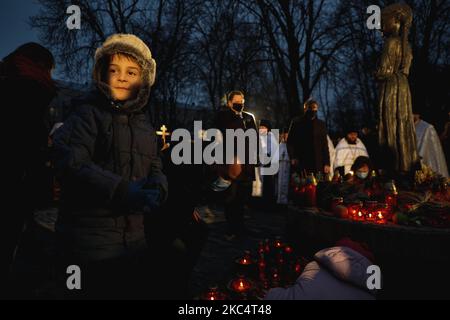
(164, 133)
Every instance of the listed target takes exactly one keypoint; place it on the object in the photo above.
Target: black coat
(228, 119)
(26, 177)
(27, 101)
(99, 151)
(307, 142)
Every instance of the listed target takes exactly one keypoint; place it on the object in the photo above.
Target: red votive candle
(214, 294)
(371, 210)
(240, 284)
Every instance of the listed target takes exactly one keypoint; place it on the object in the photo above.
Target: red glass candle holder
(370, 211)
(267, 246)
(278, 244)
(360, 216)
(384, 213)
(246, 264)
(391, 200)
(311, 195)
(380, 218)
(261, 247)
(288, 250)
(246, 259)
(297, 267)
(275, 277)
(213, 294)
(240, 285)
(355, 211)
(262, 264)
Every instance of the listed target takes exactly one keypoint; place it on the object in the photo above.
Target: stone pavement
(216, 263)
(34, 267)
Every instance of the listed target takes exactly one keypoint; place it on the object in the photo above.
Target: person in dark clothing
(178, 234)
(27, 89)
(307, 142)
(370, 139)
(111, 175)
(239, 176)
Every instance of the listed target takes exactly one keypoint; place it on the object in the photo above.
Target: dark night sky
(14, 28)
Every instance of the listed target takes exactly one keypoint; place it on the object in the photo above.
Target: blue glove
(138, 197)
(152, 200)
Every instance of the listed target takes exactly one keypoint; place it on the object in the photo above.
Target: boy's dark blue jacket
(103, 146)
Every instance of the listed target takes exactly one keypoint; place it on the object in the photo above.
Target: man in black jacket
(111, 174)
(307, 142)
(241, 174)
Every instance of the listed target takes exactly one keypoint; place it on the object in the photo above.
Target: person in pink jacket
(337, 273)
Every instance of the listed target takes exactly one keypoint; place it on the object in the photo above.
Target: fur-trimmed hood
(131, 45)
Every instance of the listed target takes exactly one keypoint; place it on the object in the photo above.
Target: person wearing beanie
(111, 173)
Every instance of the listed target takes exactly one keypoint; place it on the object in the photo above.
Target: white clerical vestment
(430, 149)
(347, 153)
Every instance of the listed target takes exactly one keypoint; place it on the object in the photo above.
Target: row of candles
(275, 265)
(370, 211)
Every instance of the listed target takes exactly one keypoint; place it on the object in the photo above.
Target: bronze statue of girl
(396, 127)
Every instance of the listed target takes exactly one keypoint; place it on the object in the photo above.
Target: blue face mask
(362, 175)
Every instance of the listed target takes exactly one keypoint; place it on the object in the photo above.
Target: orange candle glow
(214, 294)
(360, 216)
(246, 259)
(278, 244)
(381, 219)
(354, 210)
(240, 285)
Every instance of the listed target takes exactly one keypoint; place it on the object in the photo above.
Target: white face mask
(362, 175)
(263, 132)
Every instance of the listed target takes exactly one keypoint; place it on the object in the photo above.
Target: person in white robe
(429, 146)
(332, 152)
(347, 150)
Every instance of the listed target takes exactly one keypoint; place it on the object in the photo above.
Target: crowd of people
(116, 194)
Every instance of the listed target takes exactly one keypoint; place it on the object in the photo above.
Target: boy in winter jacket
(111, 174)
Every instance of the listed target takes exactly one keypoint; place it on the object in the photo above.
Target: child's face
(124, 77)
